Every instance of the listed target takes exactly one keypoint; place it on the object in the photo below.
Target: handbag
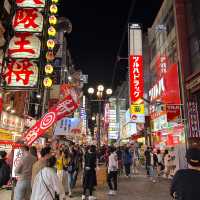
(56, 195)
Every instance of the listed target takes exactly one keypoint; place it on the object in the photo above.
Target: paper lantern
(50, 43)
(54, 1)
(48, 69)
(53, 20)
(47, 82)
(53, 9)
(50, 56)
(51, 31)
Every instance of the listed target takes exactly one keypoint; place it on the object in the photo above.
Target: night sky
(98, 27)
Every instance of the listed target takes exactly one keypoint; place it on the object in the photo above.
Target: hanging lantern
(50, 56)
(53, 9)
(47, 82)
(50, 43)
(53, 20)
(48, 69)
(51, 31)
(54, 1)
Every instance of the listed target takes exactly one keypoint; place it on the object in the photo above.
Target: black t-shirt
(186, 184)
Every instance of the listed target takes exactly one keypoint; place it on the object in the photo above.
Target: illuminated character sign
(21, 73)
(24, 45)
(29, 20)
(31, 3)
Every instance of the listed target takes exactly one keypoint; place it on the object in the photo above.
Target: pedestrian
(185, 184)
(127, 159)
(153, 166)
(160, 165)
(47, 185)
(89, 176)
(112, 171)
(24, 173)
(59, 164)
(147, 155)
(41, 163)
(167, 164)
(4, 169)
(120, 160)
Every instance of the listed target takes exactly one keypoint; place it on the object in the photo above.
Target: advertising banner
(136, 78)
(64, 108)
(167, 89)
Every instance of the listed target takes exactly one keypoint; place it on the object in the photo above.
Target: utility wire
(122, 41)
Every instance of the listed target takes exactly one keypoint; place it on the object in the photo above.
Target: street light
(93, 118)
(99, 93)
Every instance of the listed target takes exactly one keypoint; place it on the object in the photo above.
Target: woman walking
(89, 177)
(112, 171)
(47, 185)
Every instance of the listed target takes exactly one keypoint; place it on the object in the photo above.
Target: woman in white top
(47, 184)
(112, 171)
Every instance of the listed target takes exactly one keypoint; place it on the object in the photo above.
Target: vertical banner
(136, 80)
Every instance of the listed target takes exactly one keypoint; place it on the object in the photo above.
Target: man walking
(24, 172)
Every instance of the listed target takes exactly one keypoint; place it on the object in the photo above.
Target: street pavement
(135, 188)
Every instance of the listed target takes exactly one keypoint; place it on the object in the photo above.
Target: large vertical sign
(136, 80)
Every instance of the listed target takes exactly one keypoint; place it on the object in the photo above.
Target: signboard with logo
(11, 122)
(166, 90)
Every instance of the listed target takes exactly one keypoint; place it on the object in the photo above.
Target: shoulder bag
(56, 195)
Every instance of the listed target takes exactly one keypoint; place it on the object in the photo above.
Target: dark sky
(97, 31)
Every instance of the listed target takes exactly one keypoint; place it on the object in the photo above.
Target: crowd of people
(51, 173)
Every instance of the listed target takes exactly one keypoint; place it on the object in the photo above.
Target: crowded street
(99, 100)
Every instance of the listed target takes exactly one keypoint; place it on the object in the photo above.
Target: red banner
(136, 78)
(63, 109)
(167, 89)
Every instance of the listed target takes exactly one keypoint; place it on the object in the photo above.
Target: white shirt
(39, 190)
(113, 162)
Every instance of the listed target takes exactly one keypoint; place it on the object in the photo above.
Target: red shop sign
(136, 78)
(167, 89)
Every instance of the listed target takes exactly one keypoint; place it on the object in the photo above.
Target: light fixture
(48, 69)
(93, 118)
(50, 56)
(69, 78)
(12, 111)
(53, 9)
(91, 90)
(50, 43)
(53, 20)
(99, 94)
(38, 96)
(51, 31)
(100, 88)
(47, 82)
(109, 91)
(54, 1)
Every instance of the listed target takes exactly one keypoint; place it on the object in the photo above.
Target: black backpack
(4, 173)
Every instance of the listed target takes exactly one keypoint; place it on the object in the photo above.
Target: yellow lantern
(47, 82)
(50, 56)
(50, 43)
(54, 1)
(48, 69)
(53, 9)
(53, 20)
(51, 31)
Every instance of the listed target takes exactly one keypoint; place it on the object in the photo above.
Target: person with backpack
(4, 169)
(127, 159)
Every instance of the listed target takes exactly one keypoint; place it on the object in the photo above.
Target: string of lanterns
(51, 42)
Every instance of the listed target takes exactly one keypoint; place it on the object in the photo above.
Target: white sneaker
(114, 192)
(92, 198)
(110, 192)
(83, 197)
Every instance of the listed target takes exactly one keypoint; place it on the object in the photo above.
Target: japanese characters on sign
(21, 73)
(193, 119)
(29, 20)
(30, 3)
(24, 45)
(136, 78)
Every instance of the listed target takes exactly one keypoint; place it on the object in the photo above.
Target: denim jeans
(22, 190)
(69, 182)
(152, 171)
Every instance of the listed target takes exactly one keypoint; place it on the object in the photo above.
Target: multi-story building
(169, 61)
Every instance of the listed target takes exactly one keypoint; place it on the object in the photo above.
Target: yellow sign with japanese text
(137, 109)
